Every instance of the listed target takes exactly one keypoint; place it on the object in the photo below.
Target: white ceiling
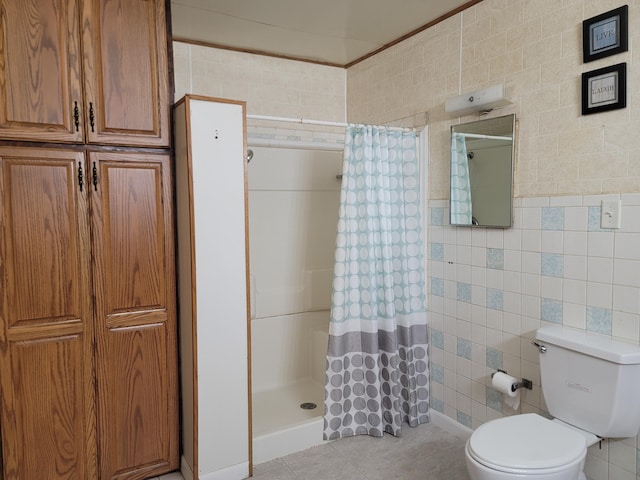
(329, 31)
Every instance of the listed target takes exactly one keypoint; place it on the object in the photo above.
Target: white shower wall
(293, 207)
(287, 349)
(293, 210)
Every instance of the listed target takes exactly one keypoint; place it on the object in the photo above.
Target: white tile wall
(596, 290)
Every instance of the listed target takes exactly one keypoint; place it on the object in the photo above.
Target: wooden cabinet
(125, 70)
(115, 52)
(136, 344)
(88, 348)
(46, 338)
(40, 64)
(88, 334)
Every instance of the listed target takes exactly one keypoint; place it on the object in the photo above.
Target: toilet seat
(526, 443)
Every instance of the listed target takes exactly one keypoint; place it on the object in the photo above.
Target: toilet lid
(525, 442)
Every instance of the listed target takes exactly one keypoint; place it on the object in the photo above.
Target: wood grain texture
(248, 286)
(136, 344)
(47, 382)
(68, 329)
(126, 71)
(39, 70)
(123, 71)
(186, 291)
(46, 330)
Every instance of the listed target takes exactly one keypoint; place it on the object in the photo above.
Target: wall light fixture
(482, 101)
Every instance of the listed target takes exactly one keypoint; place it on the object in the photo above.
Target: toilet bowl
(526, 446)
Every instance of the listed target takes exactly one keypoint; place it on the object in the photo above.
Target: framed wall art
(605, 34)
(604, 89)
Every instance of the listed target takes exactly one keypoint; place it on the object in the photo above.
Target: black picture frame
(605, 34)
(604, 89)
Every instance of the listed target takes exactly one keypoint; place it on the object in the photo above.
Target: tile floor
(426, 452)
(168, 476)
(423, 453)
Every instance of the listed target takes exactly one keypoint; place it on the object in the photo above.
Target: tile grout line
(364, 476)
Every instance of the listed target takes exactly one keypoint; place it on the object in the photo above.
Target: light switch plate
(610, 216)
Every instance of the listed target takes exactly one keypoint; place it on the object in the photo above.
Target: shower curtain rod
(286, 143)
(486, 137)
(310, 122)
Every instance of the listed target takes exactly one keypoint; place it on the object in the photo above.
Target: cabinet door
(126, 72)
(40, 86)
(132, 221)
(46, 334)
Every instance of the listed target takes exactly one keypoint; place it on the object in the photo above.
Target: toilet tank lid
(600, 346)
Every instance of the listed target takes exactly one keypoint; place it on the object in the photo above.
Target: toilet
(591, 385)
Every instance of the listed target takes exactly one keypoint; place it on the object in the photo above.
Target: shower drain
(308, 406)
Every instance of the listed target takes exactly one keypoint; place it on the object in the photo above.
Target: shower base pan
(281, 426)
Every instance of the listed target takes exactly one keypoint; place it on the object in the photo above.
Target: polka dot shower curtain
(377, 374)
(461, 206)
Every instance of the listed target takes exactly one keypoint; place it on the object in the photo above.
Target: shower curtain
(377, 365)
(461, 207)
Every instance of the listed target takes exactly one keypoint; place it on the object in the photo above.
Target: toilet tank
(591, 381)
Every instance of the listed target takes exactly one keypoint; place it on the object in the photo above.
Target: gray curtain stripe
(373, 343)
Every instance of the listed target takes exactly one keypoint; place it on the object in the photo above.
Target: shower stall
(294, 195)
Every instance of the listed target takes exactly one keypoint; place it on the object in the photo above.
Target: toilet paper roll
(503, 383)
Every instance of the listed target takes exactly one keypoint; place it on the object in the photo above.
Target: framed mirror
(482, 155)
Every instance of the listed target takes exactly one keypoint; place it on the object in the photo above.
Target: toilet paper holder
(524, 383)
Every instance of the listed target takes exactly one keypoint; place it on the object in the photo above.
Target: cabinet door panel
(40, 82)
(135, 246)
(46, 334)
(133, 402)
(135, 310)
(126, 72)
(48, 393)
(38, 207)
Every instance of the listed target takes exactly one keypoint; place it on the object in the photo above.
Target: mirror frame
(476, 128)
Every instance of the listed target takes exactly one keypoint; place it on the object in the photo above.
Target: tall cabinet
(212, 207)
(88, 342)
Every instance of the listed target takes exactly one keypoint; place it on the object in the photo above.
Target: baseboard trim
(185, 469)
(449, 424)
(235, 472)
